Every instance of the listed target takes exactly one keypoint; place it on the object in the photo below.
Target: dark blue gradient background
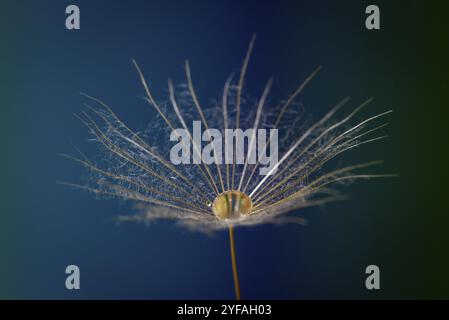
(51, 226)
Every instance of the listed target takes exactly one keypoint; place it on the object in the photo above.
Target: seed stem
(234, 263)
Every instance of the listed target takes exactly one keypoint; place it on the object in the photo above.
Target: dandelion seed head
(206, 197)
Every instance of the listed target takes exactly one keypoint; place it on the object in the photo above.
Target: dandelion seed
(210, 197)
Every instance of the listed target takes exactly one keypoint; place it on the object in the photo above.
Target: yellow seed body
(232, 205)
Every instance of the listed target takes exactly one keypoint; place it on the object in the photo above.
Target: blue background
(49, 226)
